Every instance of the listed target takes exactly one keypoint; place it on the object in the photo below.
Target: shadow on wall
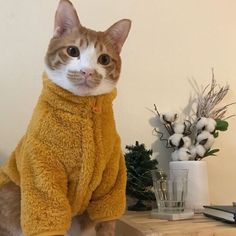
(160, 151)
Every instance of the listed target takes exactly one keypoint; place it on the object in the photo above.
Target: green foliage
(216, 134)
(139, 166)
(221, 125)
(211, 152)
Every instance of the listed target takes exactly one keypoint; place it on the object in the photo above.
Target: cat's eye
(73, 51)
(104, 59)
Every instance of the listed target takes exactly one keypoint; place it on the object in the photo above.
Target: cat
(85, 63)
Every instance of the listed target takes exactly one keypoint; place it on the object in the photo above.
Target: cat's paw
(105, 228)
(105, 233)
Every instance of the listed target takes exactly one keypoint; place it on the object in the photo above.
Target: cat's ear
(66, 18)
(118, 33)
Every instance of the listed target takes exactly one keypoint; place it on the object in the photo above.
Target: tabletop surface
(140, 224)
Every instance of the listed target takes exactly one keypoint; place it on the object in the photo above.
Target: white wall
(170, 42)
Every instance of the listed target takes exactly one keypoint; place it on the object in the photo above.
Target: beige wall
(170, 42)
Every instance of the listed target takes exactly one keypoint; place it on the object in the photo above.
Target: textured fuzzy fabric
(68, 161)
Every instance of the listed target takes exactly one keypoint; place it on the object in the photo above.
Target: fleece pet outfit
(69, 161)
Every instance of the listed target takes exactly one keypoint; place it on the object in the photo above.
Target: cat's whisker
(74, 72)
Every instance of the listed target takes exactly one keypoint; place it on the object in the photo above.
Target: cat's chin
(85, 85)
(87, 90)
(83, 90)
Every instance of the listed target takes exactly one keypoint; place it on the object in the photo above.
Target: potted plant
(192, 139)
(139, 183)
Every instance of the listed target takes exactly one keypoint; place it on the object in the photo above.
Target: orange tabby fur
(82, 37)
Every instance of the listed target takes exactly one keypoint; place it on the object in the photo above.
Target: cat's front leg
(106, 228)
(10, 210)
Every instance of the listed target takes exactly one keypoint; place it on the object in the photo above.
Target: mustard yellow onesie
(69, 161)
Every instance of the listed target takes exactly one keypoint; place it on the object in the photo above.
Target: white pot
(198, 192)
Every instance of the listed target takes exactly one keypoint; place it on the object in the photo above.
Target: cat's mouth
(78, 80)
(87, 83)
(82, 82)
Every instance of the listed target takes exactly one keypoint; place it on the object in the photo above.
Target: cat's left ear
(118, 33)
(66, 18)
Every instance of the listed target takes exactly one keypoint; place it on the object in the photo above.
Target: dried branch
(161, 135)
(207, 101)
(169, 128)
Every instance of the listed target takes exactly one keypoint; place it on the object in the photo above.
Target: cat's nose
(87, 72)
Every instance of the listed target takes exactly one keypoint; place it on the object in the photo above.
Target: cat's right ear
(66, 18)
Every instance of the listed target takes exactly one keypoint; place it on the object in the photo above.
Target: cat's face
(83, 61)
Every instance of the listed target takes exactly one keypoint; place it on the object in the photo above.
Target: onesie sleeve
(45, 209)
(109, 199)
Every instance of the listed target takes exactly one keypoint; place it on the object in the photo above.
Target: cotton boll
(200, 150)
(175, 155)
(176, 140)
(207, 124)
(206, 139)
(210, 142)
(202, 123)
(193, 151)
(202, 136)
(169, 117)
(187, 142)
(179, 128)
(211, 125)
(184, 154)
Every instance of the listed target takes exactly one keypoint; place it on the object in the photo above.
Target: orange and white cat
(83, 61)
(86, 63)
